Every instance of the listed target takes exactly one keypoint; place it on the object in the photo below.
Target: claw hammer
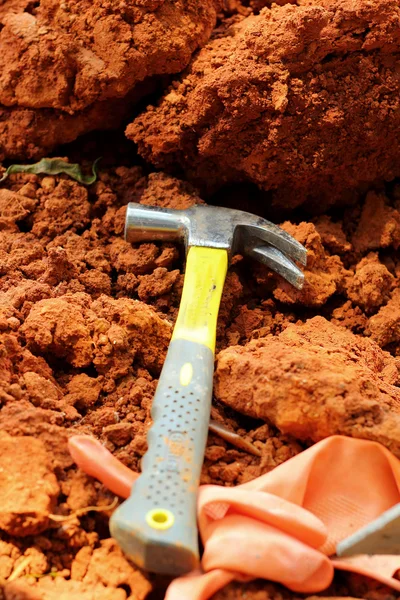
(156, 526)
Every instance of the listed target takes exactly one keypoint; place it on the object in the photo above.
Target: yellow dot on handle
(160, 518)
(186, 374)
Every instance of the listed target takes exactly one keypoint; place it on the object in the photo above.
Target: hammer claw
(271, 234)
(278, 262)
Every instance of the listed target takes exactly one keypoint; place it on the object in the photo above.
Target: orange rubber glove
(284, 525)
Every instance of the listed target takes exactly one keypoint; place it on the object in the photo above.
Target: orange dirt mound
(300, 100)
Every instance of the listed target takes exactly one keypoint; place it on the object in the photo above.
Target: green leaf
(54, 166)
(53, 574)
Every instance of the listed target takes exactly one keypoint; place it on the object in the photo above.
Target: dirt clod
(371, 285)
(29, 487)
(384, 327)
(288, 99)
(324, 274)
(312, 381)
(103, 56)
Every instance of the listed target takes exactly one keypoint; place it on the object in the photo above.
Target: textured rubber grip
(157, 525)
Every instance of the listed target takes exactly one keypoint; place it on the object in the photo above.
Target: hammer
(156, 526)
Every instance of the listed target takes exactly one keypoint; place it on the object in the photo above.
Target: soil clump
(300, 99)
(72, 67)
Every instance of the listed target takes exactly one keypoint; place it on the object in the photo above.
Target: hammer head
(236, 231)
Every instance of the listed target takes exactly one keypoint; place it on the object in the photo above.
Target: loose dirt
(85, 321)
(299, 99)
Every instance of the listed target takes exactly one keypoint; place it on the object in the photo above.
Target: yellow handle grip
(201, 296)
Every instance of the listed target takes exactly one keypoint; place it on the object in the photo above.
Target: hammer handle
(157, 525)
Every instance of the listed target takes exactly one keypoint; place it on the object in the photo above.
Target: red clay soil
(74, 66)
(302, 100)
(85, 321)
(315, 380)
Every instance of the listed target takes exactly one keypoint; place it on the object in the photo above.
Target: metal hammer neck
(149, 224)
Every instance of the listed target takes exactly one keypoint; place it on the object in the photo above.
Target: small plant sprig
(83, 511)
(54, 166)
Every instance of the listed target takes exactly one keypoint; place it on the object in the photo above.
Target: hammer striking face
(156, 527)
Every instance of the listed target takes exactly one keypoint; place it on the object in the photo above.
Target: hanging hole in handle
(160, 518)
